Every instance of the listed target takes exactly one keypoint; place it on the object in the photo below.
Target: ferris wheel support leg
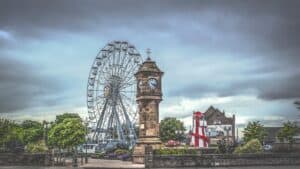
(110, 125)
(99, 124)
(119, 128)
(129, 124)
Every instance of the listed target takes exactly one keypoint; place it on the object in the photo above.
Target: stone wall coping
(222, 160)
(233, 155)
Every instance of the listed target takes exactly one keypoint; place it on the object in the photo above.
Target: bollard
(148, 156)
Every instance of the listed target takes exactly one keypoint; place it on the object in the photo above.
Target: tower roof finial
(148, 51)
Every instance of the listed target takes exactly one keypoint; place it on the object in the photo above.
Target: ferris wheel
(111, 92)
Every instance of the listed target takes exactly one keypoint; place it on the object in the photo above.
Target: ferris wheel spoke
(105, 78)
(129, 78)
(114, 63)
(123, 67)
(128, 74)
(119, 60)
(123, 59)
(126, 65)
(127, 91)
(127, 100)
(128, 83)
(129, 68)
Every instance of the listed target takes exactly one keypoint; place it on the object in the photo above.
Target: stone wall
(285, 147)
(212, 160)
(7, 159)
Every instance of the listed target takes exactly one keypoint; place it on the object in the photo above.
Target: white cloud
(45, 113)
(246, 108)
(5, 35)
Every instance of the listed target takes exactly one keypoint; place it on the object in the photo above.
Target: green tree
(254, 130)
(11, 135)
(168, 128)
(67, 134)
(33, 131)
(288, 132)
(4, 129)
(31, 124)
(62, 117)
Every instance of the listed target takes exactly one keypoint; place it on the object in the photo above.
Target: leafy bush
(225, 146)
(252, 146)
(97, 155)
(38, 147)
(121, 151)
(168, 151)
(124, 157)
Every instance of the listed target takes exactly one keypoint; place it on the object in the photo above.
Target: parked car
(115, 144)
(172, 143)
(89, 148)
(267, 147)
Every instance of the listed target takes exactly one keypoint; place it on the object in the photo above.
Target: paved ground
(97, 164)
(254, 167)
(116, 164)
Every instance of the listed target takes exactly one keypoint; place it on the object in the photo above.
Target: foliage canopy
(254, 130)
(67, 134)
(288, 132)
(62, 117)
(168, 128)
(11, 134)
(32, 130)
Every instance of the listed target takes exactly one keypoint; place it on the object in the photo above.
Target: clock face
(140, 84)
(152, 83)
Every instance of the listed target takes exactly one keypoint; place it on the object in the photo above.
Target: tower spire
(148, 51)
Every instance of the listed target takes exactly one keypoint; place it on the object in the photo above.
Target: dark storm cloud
(21, 86)
(284, 88)
(36, 17)
(265, 30)
(267, 88)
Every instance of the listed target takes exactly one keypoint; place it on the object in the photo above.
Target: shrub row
(169, 151)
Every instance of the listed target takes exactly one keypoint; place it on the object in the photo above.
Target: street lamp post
(227, 129)
(45, 126)
(86, 132)
(178, 134)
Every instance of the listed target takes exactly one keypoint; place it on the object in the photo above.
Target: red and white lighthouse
(199, 138)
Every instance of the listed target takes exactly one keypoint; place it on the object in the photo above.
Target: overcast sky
(239, 56)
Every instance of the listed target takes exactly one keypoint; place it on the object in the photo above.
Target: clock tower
(149, 95)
